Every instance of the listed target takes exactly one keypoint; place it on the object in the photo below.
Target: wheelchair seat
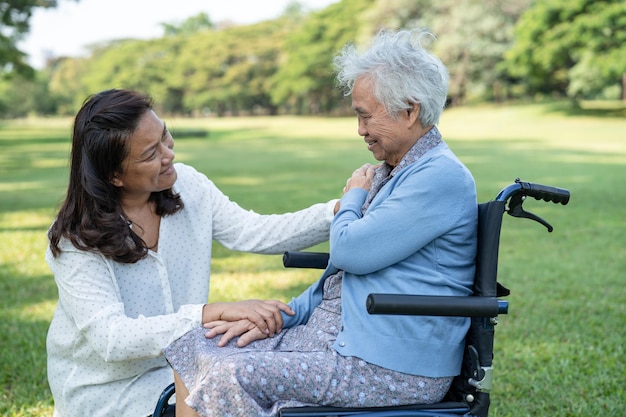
(469, 394)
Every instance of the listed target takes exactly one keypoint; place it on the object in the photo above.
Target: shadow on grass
(215, 135)
(183, 133)
(25, 309)
(30, 141)
(23, 375)
(24, 290)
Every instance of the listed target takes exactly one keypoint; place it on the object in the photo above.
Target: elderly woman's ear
(413, 112)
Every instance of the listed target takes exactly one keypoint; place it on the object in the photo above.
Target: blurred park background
(495, 50)
(536, 92)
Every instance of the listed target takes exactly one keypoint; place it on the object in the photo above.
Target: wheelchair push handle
(546, 193)
(517, 192)
(539, 191)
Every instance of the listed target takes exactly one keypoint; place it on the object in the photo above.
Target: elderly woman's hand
(361, 178)
(247, 332)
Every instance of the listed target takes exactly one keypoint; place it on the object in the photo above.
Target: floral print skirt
(294, 368)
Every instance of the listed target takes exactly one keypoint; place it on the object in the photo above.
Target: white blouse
(113, 320)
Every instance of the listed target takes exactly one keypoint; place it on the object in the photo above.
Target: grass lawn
(559, 352)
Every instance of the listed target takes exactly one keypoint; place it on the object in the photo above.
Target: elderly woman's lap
(268, 374)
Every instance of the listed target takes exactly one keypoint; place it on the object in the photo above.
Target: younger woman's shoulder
(187, 175)
(190, 181)
(184, 170)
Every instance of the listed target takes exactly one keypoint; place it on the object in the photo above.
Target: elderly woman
(406, 226)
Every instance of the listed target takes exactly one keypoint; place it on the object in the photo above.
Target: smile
(168, 171)
(371, 143)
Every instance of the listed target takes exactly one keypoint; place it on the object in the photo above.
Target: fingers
(359, 172)
(282, 307)
(266, 315)
(237, 329)
(371, 171)
(264, 319)
(228, 329)
(250, 336)
(244, 329)
(275, 307)
(216, 328)
(249, 320)
(361, 177)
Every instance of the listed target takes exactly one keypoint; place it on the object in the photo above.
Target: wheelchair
(469, 394)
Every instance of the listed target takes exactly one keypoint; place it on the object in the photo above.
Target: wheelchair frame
(469, 394)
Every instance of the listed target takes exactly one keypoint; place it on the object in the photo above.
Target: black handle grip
(433, 305)
(546, 192)
(316, 260)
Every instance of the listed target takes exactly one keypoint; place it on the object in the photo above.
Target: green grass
(560, 351)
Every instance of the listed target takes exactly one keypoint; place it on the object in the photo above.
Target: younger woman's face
(149, 165)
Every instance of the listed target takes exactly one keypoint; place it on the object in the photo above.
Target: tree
(227, 71)
(305, 79)
(575, 48)
(472, 37)
(192, 24)
(14, 24)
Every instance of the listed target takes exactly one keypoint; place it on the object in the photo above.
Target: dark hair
(91, 215)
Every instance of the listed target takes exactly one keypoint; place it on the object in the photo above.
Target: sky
(68, 28)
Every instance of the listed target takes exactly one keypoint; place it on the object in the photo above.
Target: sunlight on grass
(37, 312)
(615, 159)
(23, 252)
(50, 163)
(20, 186)
(25, 218)
(241, 180)
(537, 124)
(279, 285)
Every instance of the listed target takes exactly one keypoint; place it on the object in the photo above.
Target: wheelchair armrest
(433, 305)
(316, 260)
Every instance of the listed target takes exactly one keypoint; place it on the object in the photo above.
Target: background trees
(494, 49)
(14, 24)
(304, 81)
(576, 47)
(472, 37)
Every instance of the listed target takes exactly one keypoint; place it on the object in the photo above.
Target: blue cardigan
(418, 236)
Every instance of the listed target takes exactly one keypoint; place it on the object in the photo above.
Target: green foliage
(559, 352)
(472, 36)
(14, 23)
(65, 84)
(574, 47)
(225, 72)
(305, 81)
(20, 96)
(193, 24)
(495, 50)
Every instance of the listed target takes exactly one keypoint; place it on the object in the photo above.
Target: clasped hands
(249, 320)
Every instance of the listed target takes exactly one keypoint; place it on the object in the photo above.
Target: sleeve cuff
(330, 209)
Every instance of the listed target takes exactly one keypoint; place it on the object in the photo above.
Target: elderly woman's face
(388, 138)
